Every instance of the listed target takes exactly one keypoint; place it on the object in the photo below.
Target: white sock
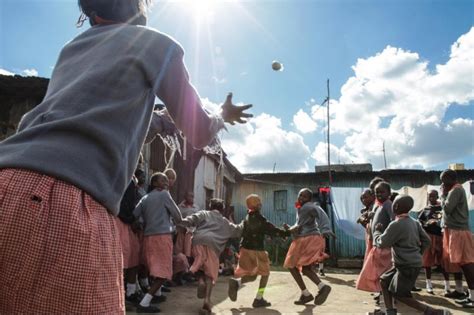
(158, 292)
(131, 288)
(305, 292)
(144, 282)
(459, 286)
(259, 295)
(321, 266)
(239, 281)
(447, 285)
(146, 300)
(321, 285)
(429, 285)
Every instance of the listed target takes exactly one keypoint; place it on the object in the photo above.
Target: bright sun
(201, 9)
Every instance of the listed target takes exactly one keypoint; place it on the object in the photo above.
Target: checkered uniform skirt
(60, 251)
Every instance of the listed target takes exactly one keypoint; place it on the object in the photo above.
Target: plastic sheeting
(346, 205)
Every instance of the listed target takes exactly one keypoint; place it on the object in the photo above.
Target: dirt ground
(282, 291)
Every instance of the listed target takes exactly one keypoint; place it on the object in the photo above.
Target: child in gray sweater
(408, 241)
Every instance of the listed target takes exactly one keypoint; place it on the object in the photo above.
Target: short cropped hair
(216, 204)
(114, 10)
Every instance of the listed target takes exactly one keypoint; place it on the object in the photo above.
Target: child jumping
(253, 259)
(209, 240)
(306, 249)
(64, 172)
(408, 241)
(458, 242)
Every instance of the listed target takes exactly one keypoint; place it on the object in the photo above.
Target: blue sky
(394, 75)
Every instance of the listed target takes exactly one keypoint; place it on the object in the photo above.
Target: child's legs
(246, 279)
(155, 286)
(131, 275)
(308, 271)
(297, 276)
(468, 271)
(428, 273)
(209, 285)
(387, 296)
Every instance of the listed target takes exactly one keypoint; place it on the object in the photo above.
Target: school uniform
(407, 241)
(64, 172)
(184, 235)
(209, 240)
(433, 256)
(458, 240)
(307, 247)
(253, 259)
(157, 209)
(378, 260)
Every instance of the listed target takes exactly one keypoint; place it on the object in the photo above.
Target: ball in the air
(277, 66)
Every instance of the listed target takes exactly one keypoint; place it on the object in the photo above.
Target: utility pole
(329, 142)
(384, 157)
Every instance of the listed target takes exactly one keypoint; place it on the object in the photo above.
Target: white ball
(277, 66)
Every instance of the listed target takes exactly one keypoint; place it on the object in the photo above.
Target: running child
(324, 225)
(306, 249)
(209, 240)
(253, 259)
(408, 241)
(157, 209)
(184, 235)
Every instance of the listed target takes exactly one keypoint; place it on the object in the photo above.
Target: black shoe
(322, 295)
(158, 299)
(469, 304)
(304, 299)
(261, 303)
(165, 289)
(135, 298)
(321, 273)
(415, 289)
(377, 311)
(456, 295)
(147, 309)
(233, 288)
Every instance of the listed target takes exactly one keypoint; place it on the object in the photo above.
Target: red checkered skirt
(158, 251)
(180, 263)
(458, 248)
(368, 242)
(130, 245)
(59, 249)
(433, 256)
(205, 259)
(378, 261)
(305, 251)
(183, 242)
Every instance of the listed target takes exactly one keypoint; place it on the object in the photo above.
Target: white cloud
(5, 72)
(303, 122)
(30, 72)
(261, 143)
(26, 72)
(393, 97)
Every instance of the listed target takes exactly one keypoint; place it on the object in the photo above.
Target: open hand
(232, 113)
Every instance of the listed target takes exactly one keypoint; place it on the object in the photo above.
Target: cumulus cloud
(6, 72)
(261, 143)
(26, 72)
(394, 98)
(30, 73)
(303, 122)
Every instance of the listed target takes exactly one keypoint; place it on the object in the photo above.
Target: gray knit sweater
(92, 123)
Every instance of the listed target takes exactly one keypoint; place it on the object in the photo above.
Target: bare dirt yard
(282, 291)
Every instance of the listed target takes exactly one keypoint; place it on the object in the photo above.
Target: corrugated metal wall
(345, 246)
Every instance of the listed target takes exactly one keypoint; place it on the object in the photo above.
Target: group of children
(147, 228)
(398, 246)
